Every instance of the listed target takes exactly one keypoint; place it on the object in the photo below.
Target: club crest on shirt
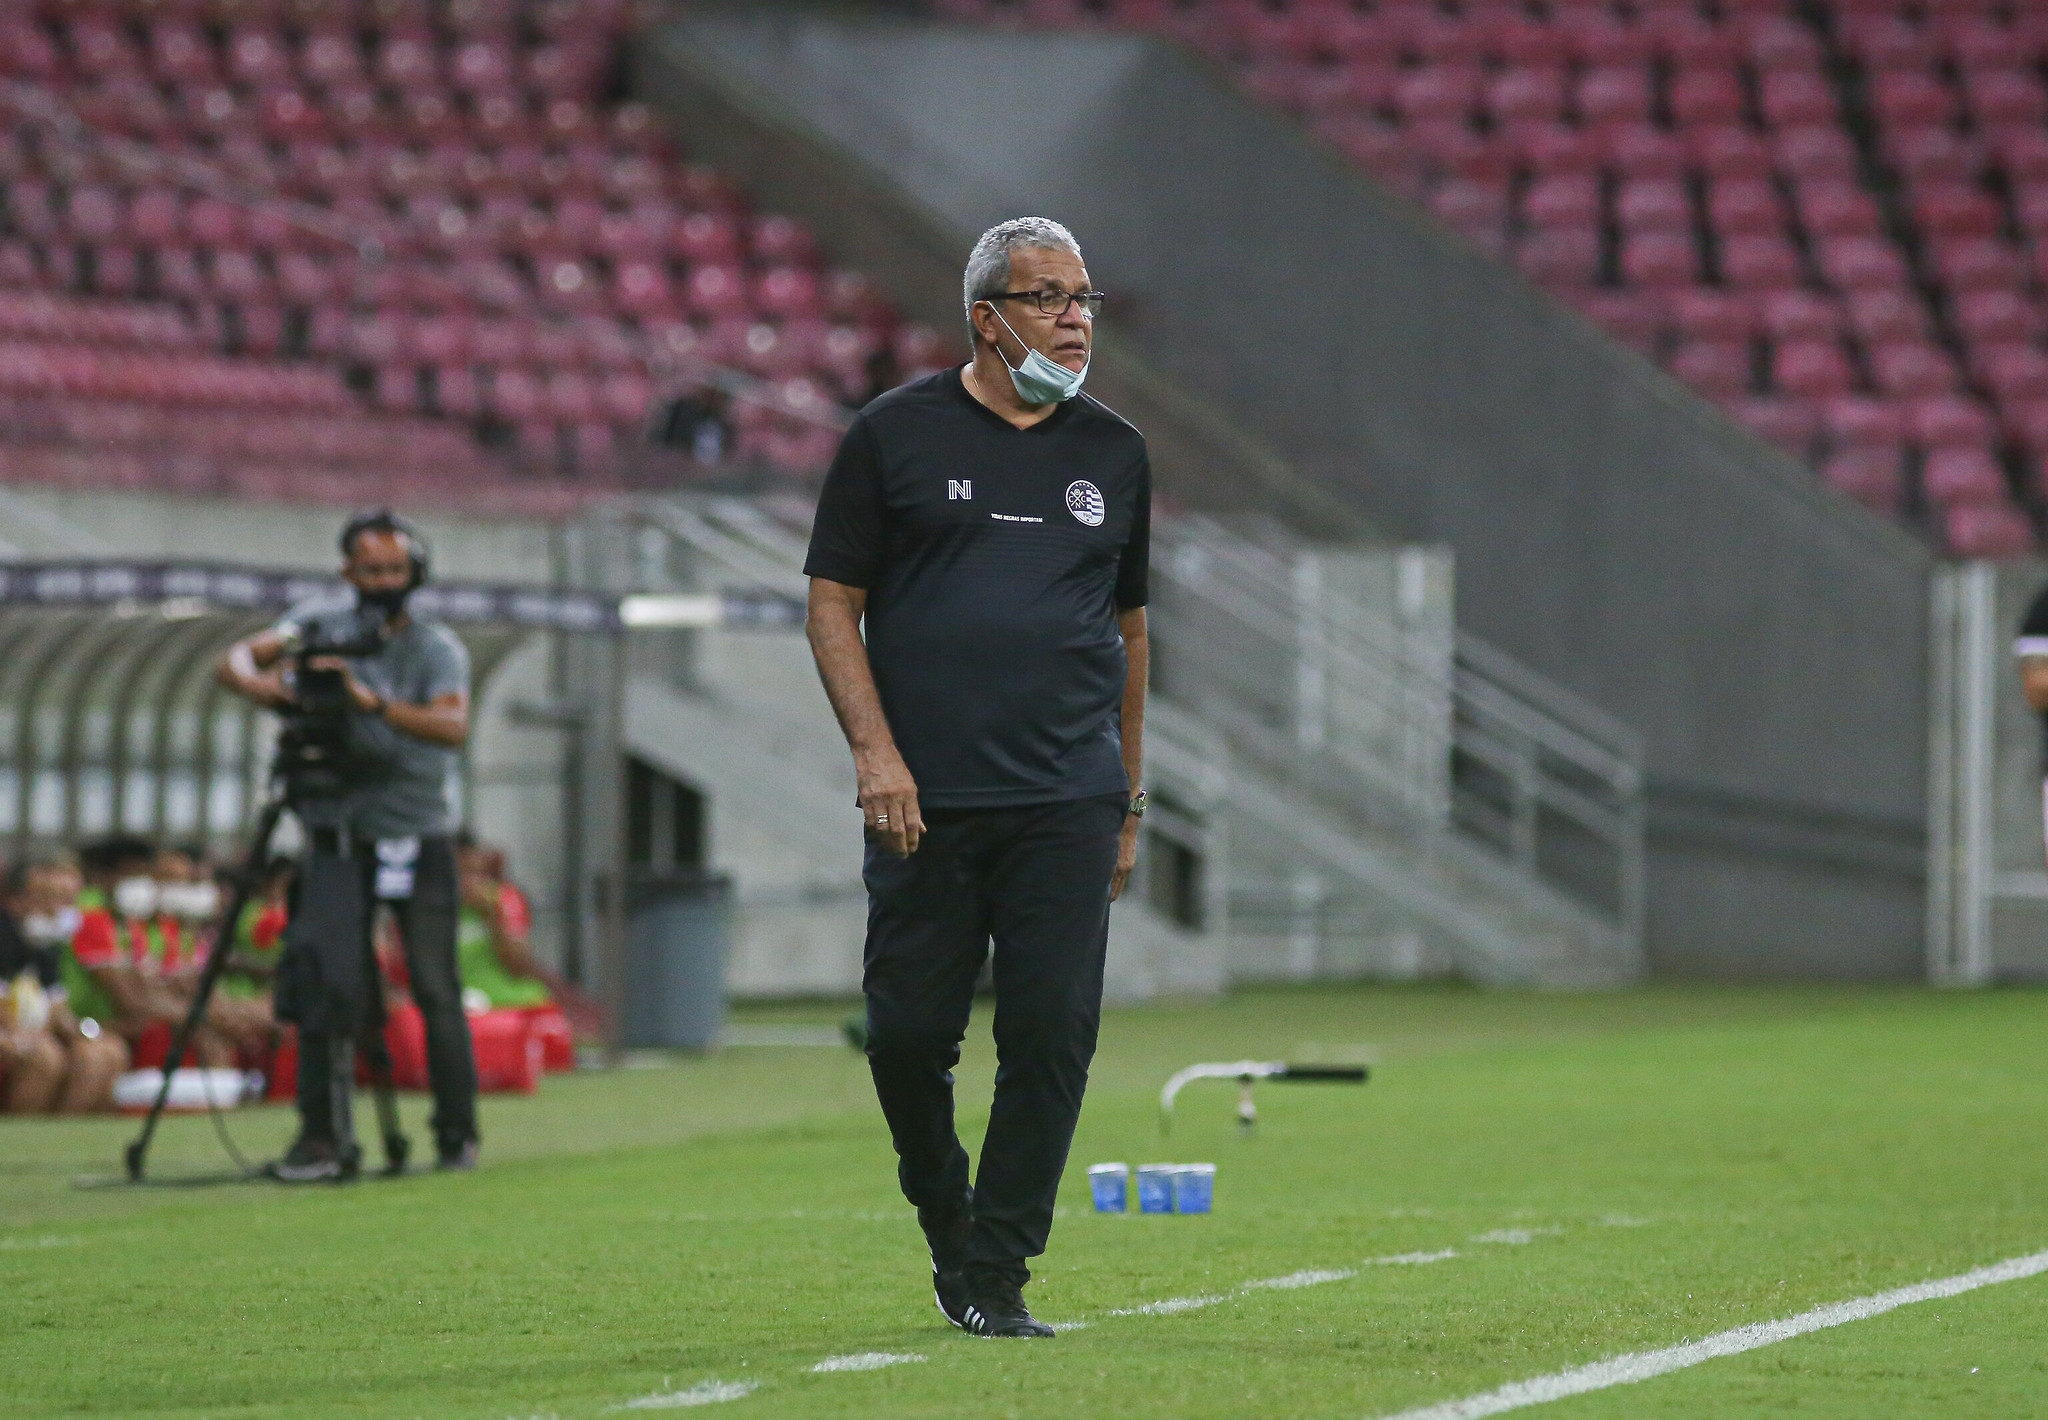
(1084, 501)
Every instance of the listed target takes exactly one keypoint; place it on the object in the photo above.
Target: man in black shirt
(992, 526)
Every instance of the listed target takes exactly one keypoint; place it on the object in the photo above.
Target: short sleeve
(268, 929)
(1134, 568)
(850, 530)
(447, 671)
(2033, 640)
(96, 944)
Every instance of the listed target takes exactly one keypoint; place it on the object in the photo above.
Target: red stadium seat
(1789, 98)
(1950, 421)
(1659, 260)
(1799, 315)
(2002, 96)
(1996, 316)
(1759, 263)
(1811, 369)
(1911, 98)
(1977, 264)
(1911, 370)
(1873, 477)
(1526, 95)
(1718, 369)
(2015, 372)
(1988, 530)
(1699, 313)
(1787, 424)
(1745, 207)
(1835, 208)
(1706, 96)
(1653, 205)
(1560, 257)
(1642, 151)
(1860, 263)
(1886, 315)
(1861, 422)
(1815, 151)
(1730, 152)
(1955, 476)
(1606, 97)
(1562, 201)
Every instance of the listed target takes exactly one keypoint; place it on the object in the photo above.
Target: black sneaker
(946, 1234)
(314, 1161)
(996, 1308)
(457, 1158)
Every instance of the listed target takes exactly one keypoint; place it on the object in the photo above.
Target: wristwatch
(1137, 805)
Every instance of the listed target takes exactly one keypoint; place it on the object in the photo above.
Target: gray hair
(988, 265)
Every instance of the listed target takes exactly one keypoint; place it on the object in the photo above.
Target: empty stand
(511, 268)
(1808, 212)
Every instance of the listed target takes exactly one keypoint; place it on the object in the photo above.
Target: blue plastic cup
(1194, 1188)
(1155, 1187)
(1110, 1184)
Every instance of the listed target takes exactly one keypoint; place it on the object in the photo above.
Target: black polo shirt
(995, 561)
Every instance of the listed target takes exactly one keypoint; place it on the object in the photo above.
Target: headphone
(385, 520)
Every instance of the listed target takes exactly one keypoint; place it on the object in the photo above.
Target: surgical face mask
(389, 602)
(136, 897)
(1041, 379)
(50, 929)
(194, 902)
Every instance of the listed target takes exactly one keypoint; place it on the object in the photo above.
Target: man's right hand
(888, 801)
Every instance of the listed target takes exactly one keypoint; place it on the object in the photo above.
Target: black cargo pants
(1034, 880)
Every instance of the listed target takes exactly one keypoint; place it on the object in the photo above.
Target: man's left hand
(365, 698)
(1126, 857)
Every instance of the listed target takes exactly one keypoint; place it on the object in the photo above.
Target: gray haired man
(991, 526)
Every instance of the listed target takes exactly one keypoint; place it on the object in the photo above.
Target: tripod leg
(137, 1152)
(377, 1053)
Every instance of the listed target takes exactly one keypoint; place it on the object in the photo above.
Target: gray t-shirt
(414, 787)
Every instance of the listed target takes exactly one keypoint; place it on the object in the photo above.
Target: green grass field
(1613, 1173)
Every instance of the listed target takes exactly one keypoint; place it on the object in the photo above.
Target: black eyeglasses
(1056, 303)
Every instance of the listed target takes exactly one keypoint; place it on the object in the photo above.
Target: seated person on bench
(48, 1063)
(125, 966)
(491, 942)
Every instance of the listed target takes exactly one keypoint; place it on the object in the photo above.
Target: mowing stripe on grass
(1642, 1365)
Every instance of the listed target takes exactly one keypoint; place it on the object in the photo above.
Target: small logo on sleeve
(1084, 501)
(959, 489)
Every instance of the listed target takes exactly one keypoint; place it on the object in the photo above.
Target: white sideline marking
(865, 1361)
(1169, 1306)
(703, 1393)
(1308, 1278)
(1514, 1237)
(1642, 1365)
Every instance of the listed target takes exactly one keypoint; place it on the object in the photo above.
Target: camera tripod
(370, 1035)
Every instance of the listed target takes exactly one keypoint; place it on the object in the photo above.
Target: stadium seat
(1960, 475)
(1872, 476)
(1987, 530)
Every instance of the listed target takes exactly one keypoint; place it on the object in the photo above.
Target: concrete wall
(1610, 528)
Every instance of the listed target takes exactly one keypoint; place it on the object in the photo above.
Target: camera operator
(378, 813)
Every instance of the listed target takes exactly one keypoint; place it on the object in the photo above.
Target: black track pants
(426, 928)
(1035, 879)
